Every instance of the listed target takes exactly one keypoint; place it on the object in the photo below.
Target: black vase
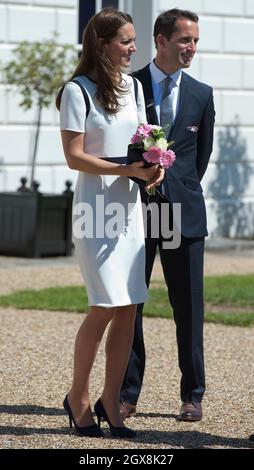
(136, 155)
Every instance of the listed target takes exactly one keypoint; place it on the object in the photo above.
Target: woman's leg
(86, 346)
(118, 347)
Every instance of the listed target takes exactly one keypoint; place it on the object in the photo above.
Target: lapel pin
(192, 128)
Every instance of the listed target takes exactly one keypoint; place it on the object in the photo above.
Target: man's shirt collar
(158, 75)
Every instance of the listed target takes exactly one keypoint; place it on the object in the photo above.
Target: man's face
(180, 49)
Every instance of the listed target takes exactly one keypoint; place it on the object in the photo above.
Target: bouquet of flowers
(150, 145)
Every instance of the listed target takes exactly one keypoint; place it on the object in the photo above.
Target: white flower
(148, 142)
(162, 143)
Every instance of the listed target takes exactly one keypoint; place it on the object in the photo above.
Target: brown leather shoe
(190, 411)
(127, 410)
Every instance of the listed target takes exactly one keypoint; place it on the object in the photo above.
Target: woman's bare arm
(77, 159)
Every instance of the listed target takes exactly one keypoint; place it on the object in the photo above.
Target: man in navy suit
(176, 34)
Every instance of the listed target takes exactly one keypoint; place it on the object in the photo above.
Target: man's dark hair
(165, 23)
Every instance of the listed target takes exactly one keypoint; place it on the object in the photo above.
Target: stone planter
(33, 224)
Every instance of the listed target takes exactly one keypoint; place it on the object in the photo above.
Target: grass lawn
(229, 300)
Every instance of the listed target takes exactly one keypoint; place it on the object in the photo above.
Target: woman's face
(120, 49)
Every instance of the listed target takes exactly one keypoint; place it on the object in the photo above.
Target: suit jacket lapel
(145, 78)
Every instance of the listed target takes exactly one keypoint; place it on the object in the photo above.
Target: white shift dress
(108, 229)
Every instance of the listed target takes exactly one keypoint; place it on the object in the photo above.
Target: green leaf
(38, 70)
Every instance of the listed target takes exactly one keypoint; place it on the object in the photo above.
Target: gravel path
(36, 367)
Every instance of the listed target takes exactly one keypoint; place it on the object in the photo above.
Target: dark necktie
(166, 106)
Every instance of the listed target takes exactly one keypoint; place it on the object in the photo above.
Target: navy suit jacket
(192, 148)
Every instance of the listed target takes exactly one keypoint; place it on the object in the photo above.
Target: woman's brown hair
(104, 25)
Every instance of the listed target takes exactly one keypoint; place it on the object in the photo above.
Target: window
(88, 8)
(86, 11)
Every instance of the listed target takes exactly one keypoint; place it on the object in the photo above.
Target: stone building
(225, 60)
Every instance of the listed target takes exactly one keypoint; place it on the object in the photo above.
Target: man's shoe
(127, 410)
(190, 411)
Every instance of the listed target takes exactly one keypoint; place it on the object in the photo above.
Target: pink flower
(153, 155)
(167, 158)
(136, 139)
(145, 130)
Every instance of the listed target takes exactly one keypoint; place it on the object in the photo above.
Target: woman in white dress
(107, 214)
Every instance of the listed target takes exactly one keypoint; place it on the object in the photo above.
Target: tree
(38, 70)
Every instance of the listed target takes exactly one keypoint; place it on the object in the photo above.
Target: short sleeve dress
(108, 230)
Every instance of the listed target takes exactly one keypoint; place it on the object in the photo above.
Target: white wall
(33, 20)
(225, 60)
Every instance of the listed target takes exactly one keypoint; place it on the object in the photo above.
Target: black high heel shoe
(116, 431)
(87, 431)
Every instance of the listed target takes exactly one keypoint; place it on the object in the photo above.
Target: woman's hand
(150, 174)
(156, 179)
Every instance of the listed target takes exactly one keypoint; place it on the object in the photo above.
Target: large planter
(34, 224)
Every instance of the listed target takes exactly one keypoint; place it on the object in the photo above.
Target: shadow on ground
(182, 439)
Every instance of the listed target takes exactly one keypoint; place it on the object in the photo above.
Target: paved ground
(36, 367)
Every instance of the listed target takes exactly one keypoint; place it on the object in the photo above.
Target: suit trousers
(183, 273)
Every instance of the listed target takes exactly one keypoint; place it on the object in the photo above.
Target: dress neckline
(95, 83)
(90, 79)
